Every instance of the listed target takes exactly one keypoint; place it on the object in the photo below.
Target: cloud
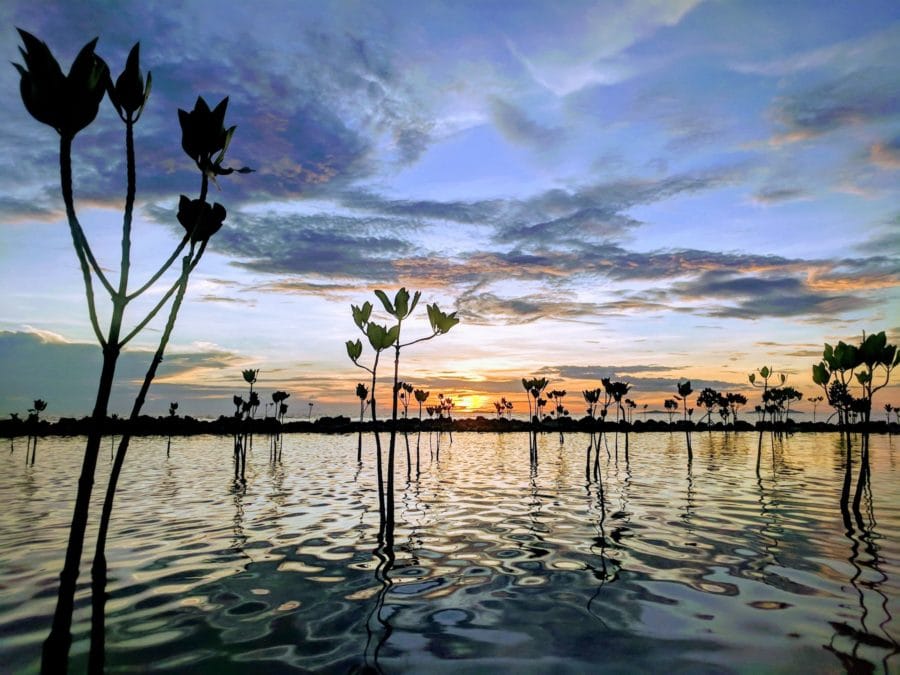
(856, 98)
(778, 195)
(846, 55)
(490, 309)
(886, 155)
(517, 127)
(640, 383)
(38, 364)
(749, 296)
(595, 53)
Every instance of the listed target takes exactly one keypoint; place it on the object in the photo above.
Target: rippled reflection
(507, 554)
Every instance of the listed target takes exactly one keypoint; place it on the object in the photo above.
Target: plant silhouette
(34, 421)
(69, 103)
(381, 338)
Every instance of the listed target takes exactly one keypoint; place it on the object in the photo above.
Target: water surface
(497, 566)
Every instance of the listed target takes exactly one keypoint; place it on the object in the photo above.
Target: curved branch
(421, 339)
(188, 268)
(65, 176)
(162, 270)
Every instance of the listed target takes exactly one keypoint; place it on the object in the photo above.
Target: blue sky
(644, 190)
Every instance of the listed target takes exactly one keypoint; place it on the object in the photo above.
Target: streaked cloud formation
(698, 186)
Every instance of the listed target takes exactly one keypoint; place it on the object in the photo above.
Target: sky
(647, 191)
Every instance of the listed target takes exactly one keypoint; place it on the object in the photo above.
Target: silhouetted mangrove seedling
(246, 410)
(280, 409)
(685, 390)
(873, 359)
(173, 409)
(671, 406)
(421, 397)
(404, 395)
(559, 409)
(535, 386)
(592, 398)
(401, 308)
(362, 393)
(14, 419)
(735, 401)
(710, 399)
(815, 400)
(630, 405)
(777, 402)
(68, 104)
(380, 338)
(34, 420)
(616, 391)
(503, 408)
(445, 405)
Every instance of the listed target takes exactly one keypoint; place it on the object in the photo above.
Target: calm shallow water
(498, 568)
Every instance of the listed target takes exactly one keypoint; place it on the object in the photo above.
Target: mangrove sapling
(592, 398)
(280, 408)
(34, 422)
(734, 402)
(421, 397)
(616, 391)
(709, 399)
(406, 390)
(816, 400)
(447, 407)
(765, 374)
(878, 359)
(173, 409)
(248, 410)
(362, 393)
(99, 566)
(401, 308)
(68, 104)
(671, 406)
(685, 390)
(535, 386)
(14, 419)
(559, 409)
(380, 338)
(282, 411)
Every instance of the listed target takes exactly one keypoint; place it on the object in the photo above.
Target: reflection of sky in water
(496, 566)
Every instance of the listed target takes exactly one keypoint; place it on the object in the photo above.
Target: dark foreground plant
(68, 104)
(871, 364)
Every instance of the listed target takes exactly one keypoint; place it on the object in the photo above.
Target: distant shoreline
(188, 426)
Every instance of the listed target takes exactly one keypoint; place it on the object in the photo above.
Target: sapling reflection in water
(68, 104)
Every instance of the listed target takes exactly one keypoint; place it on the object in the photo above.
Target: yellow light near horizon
(472, 402)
